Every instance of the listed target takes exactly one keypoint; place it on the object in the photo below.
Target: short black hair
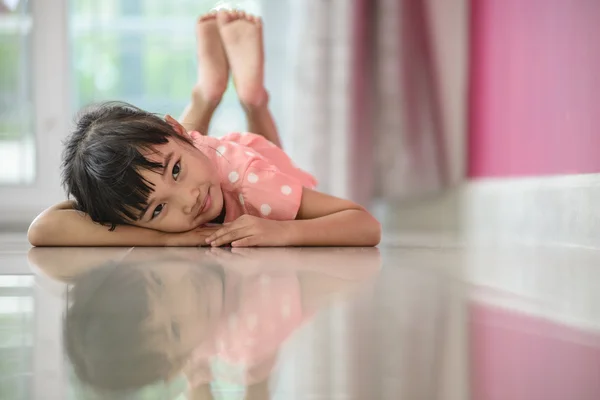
(110, 334)
(102, 160)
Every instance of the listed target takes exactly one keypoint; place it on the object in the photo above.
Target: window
(17, 148)
(143, 52)
(57, 56)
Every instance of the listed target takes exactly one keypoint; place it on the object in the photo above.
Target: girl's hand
(244, 261)
(195, 237)
(248, 231)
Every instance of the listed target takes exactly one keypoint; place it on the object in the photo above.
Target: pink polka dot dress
(257, 177)
(264, 313)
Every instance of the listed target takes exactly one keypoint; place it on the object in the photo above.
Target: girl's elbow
(38, 232)
(377, 235)
(34, 236)
(373, 238)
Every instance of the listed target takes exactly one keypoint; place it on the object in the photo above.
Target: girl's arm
(322, 220)
(62, 225)
(325, 220)
(68, 263)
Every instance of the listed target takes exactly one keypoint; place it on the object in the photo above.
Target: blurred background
(392, 103)
(457, 119)
(348, 81)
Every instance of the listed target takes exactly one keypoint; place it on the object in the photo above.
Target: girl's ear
(176, 125)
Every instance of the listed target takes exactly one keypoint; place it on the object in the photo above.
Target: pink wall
(522, 357)
(535, 87)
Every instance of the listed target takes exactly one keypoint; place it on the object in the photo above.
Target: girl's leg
(213, 74)
(242, 38)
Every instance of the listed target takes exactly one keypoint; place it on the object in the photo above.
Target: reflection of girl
(259, 313)
(132, 325)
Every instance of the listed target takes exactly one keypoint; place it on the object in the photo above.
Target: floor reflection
(192, 322)
(414, 322)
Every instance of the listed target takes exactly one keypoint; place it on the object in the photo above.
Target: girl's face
(188, 194)
(186, 300)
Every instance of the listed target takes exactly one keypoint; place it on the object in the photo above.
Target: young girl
(154, 183)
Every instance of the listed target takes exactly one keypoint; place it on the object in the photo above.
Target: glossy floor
(410, 320)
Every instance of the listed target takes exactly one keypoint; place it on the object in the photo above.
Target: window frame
(52, 107)
(20, 203)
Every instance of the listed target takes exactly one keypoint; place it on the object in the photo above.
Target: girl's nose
(191, 199)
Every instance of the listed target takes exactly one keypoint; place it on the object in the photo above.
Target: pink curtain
(378, 95)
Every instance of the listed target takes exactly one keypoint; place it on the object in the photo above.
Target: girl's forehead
(158, 153)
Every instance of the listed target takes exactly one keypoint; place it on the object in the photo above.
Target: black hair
(102, 160)
(109, 333)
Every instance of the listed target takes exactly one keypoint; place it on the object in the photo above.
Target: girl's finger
(223, 230)
(243, 252)
(217, 234)
(222, 255)
(229, 237)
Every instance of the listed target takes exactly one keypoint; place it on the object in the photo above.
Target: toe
(224, 17)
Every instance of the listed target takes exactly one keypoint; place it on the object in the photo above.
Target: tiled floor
(415, 319)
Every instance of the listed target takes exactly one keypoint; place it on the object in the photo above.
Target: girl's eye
(176, 170)
(157, 211)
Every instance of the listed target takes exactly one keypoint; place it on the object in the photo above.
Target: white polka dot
(233, 177)
(252, 321)
(252, 177)
(221, 150)
(244, 133)
(265, 209)
(241, 199)
(249, 153)
(285, 189)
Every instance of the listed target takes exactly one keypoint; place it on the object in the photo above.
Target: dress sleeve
(267, 192)
(261, 146)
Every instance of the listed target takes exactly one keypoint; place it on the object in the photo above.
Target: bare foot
(213, 68)
(243, 41)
